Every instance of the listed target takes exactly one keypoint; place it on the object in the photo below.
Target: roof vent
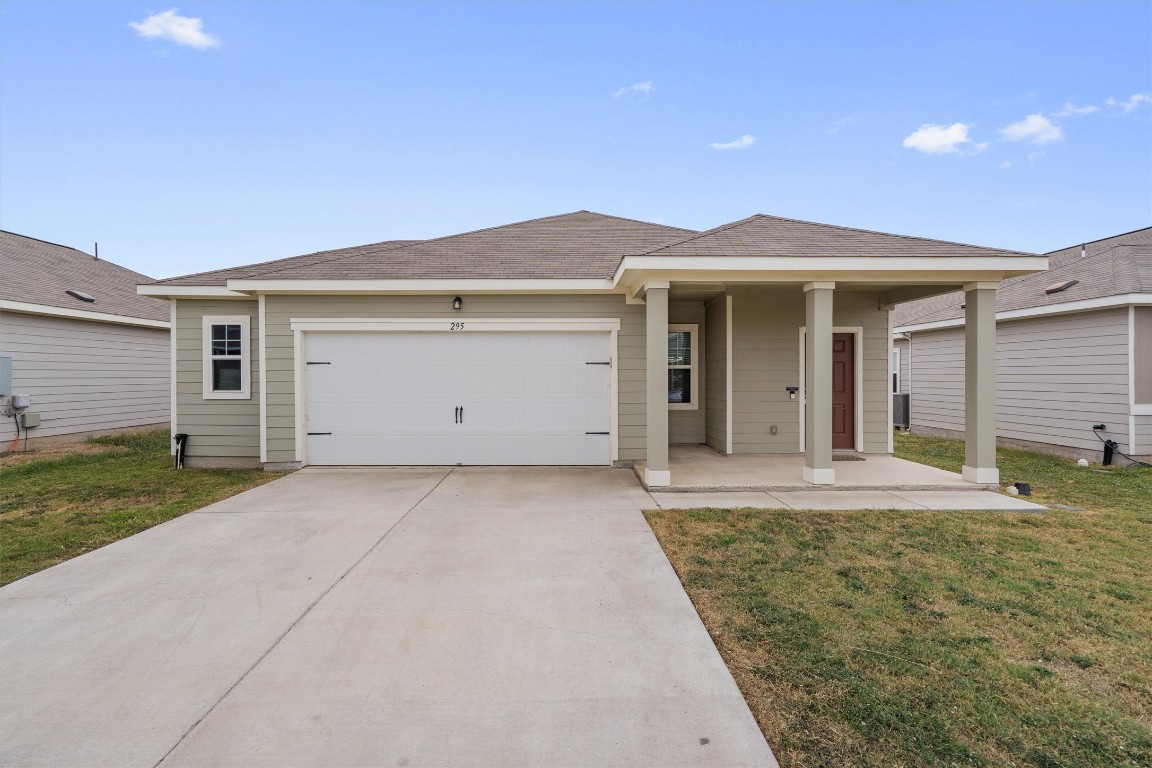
(1062, 286)
(80, 295)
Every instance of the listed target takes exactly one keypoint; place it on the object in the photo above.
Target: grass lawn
(885, 638)
(72, 500)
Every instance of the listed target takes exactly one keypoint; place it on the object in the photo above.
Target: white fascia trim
(81, 314)
(189, 292)
(1069, 307)
(455, 324)
(847, 264)
(423, 286)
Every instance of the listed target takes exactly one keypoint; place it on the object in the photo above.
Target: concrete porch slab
(700, 469)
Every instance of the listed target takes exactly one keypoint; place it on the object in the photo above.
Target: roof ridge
(705, 233)
(1099, 240)
(58, 245)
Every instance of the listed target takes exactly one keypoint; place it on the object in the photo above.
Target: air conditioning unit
(901, 410)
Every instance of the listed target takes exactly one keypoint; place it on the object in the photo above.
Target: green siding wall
(228, 429)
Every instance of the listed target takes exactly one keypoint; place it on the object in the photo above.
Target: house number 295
(456, 327)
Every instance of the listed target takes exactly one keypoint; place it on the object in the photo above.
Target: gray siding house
(95, 360)
(1073, 350)
(573, 339)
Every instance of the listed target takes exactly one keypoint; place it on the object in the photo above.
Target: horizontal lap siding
(716, 374)
(1055, 377)
(687, 426)
(215, 428)
(766, 360)
(279, 311)
(84, 376)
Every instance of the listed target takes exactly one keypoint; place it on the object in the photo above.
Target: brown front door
(843, 391)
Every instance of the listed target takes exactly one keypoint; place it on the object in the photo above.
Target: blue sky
(207, 134)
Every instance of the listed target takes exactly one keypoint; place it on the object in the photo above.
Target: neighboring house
(572, 339)
(1073, 350)
(92, 353)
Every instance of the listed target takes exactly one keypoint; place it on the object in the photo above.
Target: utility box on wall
(5, 376)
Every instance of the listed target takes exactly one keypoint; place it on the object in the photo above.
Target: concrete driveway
(378, 617)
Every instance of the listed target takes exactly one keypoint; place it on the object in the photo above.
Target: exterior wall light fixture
(457, 303)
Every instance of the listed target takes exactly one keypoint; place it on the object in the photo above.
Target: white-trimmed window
(895, 371)
(227, 358)
(683, 366)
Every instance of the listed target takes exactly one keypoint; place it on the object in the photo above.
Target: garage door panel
(390, 398)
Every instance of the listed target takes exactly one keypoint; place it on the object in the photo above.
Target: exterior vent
(1063, 286)
(80, 295)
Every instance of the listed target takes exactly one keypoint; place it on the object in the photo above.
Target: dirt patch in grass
(62, 502)
(927, 639)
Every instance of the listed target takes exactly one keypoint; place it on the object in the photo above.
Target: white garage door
(457, 398)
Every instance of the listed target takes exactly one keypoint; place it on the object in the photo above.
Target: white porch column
(656, 472)
(980, 383)
(818, 384)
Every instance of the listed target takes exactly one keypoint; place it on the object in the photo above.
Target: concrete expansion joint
(297, 620)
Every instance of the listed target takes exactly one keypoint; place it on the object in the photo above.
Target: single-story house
(1073, 351)
(77, 338)
(573, 339)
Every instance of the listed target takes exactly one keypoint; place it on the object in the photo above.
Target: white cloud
(1007, 164)
(1134, 101)
(182, 30)
(743, 142)
(1071, 109)
(1036, 129)
(938, 139)
(636, 89)
(843, 122)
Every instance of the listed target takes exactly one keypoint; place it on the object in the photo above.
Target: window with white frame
(683, 366)
(227, 358)
(895, 371)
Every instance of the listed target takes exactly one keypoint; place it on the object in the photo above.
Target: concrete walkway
(375, 617)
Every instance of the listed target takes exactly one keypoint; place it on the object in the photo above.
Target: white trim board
(456, 324)
(858, 396)
(728, 375)
(189, 291)
(437, 286)
(82, 314)
(261, 329)
(172, 394)
(1068, 307)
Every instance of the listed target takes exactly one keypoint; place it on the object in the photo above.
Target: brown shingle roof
(572, 245)
(222, 276)
(37, 272)
(1109, 267)
(762, 235)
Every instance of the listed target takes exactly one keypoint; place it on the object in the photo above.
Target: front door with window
(843, 391)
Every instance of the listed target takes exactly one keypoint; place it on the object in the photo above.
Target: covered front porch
(767, 355)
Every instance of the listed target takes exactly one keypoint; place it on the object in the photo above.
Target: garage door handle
(319, 433)
(597, 433)
(461, 414)
(606, 362)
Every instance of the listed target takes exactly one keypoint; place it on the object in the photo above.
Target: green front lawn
(884, 638)
(70, 501)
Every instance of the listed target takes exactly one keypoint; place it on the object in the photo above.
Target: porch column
(980, 383)
(818, 384)
(656, 471)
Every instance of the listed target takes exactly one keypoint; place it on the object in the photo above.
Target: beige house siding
(279, 311)
(687, 426)
(766, 360)
(716, 373)
(217, 429)
(85, 376)
(1056, 376)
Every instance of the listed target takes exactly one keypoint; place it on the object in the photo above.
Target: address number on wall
(456, 327)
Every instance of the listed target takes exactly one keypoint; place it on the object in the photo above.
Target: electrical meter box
(5, 376)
